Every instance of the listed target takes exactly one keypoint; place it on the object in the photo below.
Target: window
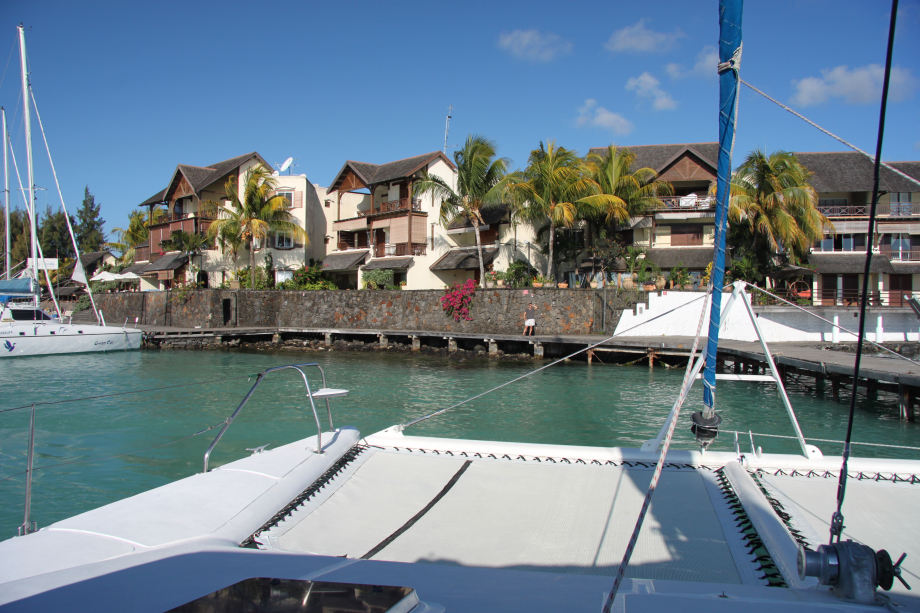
(256, 243)
(686, 234)
(283, 275)
(284, 240)
(289, 196)
(850, 242)
(826, 244)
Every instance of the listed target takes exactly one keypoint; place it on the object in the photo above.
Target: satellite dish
(286, 164)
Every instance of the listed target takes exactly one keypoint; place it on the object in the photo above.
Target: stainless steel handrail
(259, 377)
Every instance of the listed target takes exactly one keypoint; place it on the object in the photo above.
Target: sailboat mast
(27, 119)
(6, 190)
(729, 82)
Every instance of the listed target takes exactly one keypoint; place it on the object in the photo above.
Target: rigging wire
(831, 134)
(551, 364)
(118, 455)
(7, 64)
(837, 518)
(823, 440)
(665, 445)
(128, 393)
(792, 304)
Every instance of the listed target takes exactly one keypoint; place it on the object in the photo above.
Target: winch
(852, 569)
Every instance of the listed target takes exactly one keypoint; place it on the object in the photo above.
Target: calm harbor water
(571, 404)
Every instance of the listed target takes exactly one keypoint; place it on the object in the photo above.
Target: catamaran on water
(25, 328)
(338, 521)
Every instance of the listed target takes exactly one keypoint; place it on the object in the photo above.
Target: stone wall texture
(498, 311)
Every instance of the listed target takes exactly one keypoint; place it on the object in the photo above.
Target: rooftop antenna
(447, 127)
(284, 166)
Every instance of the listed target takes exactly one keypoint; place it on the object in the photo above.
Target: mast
(6, 190)
(729, 82)
(27, 119)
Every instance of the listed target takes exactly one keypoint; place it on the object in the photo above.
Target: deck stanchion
(29, 526)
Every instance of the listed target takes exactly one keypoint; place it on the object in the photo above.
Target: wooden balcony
(685, 203)
(381, 251)
(403, 204)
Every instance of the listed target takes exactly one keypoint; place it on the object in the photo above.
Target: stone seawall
(499, 311)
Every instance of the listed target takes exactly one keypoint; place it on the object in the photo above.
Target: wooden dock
(877, 373)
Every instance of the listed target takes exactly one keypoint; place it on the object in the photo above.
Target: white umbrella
(104, 276)
(127, 276)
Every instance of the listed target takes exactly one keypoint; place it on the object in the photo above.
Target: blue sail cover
(729, 61)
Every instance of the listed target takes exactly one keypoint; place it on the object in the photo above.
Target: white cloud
(592, 115)
(638, 38)
(646, 88)
(862, 85)
(533, 45)
(706, 62)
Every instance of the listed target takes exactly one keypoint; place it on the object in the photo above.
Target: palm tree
(252, 213)
(189, 244)
(557, 186)
(137, 232)
(637, 190)
(771, 197)
(480, 184)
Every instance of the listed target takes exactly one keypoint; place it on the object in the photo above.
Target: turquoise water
(570, 404)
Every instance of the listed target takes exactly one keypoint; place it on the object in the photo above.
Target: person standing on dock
(530, 320)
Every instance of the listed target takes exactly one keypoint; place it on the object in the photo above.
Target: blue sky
(127, 90)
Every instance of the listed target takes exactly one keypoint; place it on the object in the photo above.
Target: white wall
(310, 217)
(676, 314)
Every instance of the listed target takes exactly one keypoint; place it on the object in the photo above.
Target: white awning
(851, 227)
(466, 229)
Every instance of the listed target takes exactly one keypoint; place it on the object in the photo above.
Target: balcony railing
(390, 249)
(403, 204)
(843, 210)
(899, 209)
(900, 255)
(685, 203)
(894, 209)
(833, 297)
(830, 296)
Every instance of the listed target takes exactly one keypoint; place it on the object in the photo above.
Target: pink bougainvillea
(458, 300)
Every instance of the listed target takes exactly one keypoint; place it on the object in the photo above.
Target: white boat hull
(52, 338)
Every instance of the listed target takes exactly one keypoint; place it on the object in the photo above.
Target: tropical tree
(254, 211)
(137, 232)
(636, 190)
(480, 184)
(557, 187)
(90, 231)
(774, 207)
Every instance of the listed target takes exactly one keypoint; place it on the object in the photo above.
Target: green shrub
(377, 278)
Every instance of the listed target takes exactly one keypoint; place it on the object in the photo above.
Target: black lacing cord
(837, 518)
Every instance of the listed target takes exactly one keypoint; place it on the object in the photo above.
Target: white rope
(666, 443)
(832, 135)
(34, 221)
(66, 216)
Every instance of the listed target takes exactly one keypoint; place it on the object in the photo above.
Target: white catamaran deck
(572, 517)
